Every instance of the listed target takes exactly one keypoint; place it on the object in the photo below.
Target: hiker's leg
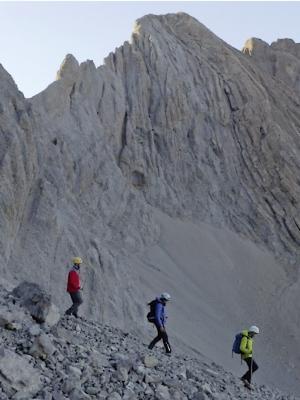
(254, 367)
(166, 342)
(77, 301)
(156, 339)
(71, 309)
(247, 375)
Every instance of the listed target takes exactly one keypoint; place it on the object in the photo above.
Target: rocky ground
(78, 359)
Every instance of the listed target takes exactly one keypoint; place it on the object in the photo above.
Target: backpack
(151, 313)
(237, 344)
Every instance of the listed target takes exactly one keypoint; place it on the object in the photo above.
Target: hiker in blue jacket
(158, 317)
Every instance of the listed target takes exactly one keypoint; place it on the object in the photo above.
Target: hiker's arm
(158, 312)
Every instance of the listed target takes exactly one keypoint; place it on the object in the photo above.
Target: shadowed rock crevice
(138, 179)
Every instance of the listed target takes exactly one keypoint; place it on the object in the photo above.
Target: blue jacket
(160, 316)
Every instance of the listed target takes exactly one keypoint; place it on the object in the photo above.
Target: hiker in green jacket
(246, 348)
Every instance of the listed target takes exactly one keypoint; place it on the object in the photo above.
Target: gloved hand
(162, 329)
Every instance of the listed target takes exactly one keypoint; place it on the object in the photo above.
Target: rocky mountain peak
(280, 60)
(170, 26)
(68, 68)
(255, 45)
(8, 86)
(173, 20)
(287, 45)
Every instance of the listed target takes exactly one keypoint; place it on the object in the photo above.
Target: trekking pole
(84, 282)
(251, 366)
(85, 279)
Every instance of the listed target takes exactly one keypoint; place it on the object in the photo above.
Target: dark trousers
(77, 301)
(252, 367)
(164, 337)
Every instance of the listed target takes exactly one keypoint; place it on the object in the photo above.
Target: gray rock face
(217, 151)
(175, 123)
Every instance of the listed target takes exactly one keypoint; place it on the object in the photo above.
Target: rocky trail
(78, 359)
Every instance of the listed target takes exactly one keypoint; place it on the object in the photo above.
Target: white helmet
(254, 329)
(165, 296)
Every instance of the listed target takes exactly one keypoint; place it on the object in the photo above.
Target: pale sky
(36, 36)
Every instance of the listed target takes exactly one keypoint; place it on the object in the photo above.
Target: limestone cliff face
(63, 193)
(18, 162)
(206, 134)
(174, 122)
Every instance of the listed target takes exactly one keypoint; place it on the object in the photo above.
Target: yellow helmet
(77, 260)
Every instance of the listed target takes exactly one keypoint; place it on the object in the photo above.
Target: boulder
(150, 361)
(34, 330)
(98, 360)
(114, 396)
(177, 395)
(123, 365)
(70, 384)
(37, 302)
(13, 326)
(78, 394)
(11, 319)
(92, 390)
(199, 396)
(74, 371)
(42, 347)
(129, 395)
(5, 318)
(150, 378)
(57, 396)
(162, 393)
(17, 376)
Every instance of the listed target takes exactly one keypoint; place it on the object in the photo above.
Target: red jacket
(73, 282)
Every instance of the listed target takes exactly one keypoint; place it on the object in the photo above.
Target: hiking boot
(246, 383)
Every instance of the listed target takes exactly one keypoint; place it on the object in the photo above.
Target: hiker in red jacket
(74, 287)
